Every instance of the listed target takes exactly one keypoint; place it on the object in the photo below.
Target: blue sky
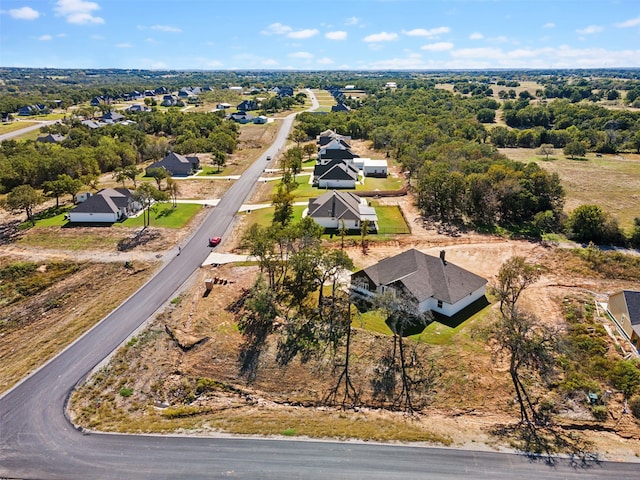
(320, 35)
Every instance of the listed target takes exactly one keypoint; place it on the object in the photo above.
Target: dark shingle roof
(426, 276)
(335, 204)
(632, 298)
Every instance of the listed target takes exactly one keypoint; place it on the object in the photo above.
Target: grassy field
(611, 181)
(13, 126)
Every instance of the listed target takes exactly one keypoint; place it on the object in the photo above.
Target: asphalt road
(37, 441)
(10, 135)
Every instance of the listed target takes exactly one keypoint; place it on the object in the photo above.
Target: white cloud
(437, 47)
(590, 30)
(123, 45)
(307, 33)
(381, 37)
(78, 11)
(208, 63)
(276, 29)
(633, 22)
(476, 36)
(324, 61)
(166, 28)
(24, 13)
(338, 35)
(421, 32)
(352, 21)
(549, 25)
(305, 55)
(45, 38)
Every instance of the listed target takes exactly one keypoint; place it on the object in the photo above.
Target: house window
(439, 303)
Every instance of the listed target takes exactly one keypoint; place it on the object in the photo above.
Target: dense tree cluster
(86, 153)
(562, 122)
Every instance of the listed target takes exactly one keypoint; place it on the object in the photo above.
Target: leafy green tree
(309, 149)
(23, 198)
(54, 188)
(158, 174)
(282, 201)
(219, 158)
(147, 195)
(589, 223)
(486, 115)
(575, 149)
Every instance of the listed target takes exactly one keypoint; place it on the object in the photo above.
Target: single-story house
(107, 206)
(433, 283)
(335, 174)
(242, 117)
(334, 208)
(92, 124)
(112, 117)
(138, 108)
(372, 168)
(261, 119)
(51, 138)
(177, 165)
(624, 308)
(223, 106)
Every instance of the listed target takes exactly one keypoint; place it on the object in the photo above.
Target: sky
(320, 35)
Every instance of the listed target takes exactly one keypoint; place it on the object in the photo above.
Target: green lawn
(390, 220)
(208, 171)
(164, 215)
(388, 183)
(13, 126)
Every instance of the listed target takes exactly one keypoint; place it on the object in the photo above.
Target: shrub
(600, 413)
(126, 392)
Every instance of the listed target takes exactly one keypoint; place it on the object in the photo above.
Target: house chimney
(442, 253)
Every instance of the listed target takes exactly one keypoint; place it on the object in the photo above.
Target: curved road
(38, 441)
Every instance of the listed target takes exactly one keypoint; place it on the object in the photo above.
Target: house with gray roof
(330, 135)
(177, 165)
(51, 138)
(335, 208)
(335, 174)
(109, 205)
(624, 308)
(433, 283)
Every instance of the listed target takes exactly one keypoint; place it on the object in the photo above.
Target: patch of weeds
(186, 411)
(176, 301)
(126, 392)
(289, 432)
(132, 341)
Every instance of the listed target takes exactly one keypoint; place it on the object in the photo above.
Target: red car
(213, 241)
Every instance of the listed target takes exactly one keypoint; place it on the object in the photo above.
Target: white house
(335, 208)
(107, 206)
(435, 284)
